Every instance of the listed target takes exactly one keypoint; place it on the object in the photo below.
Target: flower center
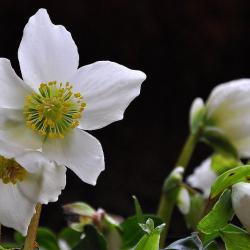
(11, 171)
(54, 110)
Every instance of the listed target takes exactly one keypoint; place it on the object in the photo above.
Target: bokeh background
(184, 47)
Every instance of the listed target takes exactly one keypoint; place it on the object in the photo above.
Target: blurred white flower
(227, 110)
(241, 203)
(183, 201)
(203, 177)
(63, 245)
(21, 188)
(49, 109)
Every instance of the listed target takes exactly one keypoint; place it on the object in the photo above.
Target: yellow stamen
(54, 110)
(11, 171)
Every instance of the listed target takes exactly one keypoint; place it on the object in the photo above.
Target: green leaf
(19, 238)
(221, 164)
(131, 231)
(92, 240)
(138, 209)
(235, 238)
(149, 242)
(227, 179)
(46, 239)
(219, 216)
(197, 206)
(71, 236)
(220, 143)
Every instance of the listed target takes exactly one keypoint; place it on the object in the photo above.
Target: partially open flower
(49, 109)
(22, 187)
(241, 202)
(81, 214)
(227, 112)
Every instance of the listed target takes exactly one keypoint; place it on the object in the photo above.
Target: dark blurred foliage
(184, 47)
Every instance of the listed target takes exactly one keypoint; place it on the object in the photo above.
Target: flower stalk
(169, 196)
(32, 230)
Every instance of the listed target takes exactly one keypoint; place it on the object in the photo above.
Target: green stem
(167, 201)
(29, 243)
(188, 150)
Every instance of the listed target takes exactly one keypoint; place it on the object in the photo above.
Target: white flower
(63, 245)
(21, 188)
(183, 201)
(241, 202)
(203, 177)
(228, 111)
(49, 109)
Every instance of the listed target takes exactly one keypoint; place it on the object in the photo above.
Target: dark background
(184, 47)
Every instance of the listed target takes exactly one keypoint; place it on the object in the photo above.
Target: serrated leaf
(93, 240)
(220, 143)
(227, 179)
(131, 231)
(219, 216)
(235, 238)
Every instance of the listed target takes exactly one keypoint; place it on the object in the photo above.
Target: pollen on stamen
(11, 171)
(54, 110)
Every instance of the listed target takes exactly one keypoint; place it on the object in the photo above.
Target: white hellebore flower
(49, 109)
(241, 203)
(203, 177)
(21, 188)
(183, 201)
(227, 109)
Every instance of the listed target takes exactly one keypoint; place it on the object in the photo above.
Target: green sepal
(218, 141)
(197, 120)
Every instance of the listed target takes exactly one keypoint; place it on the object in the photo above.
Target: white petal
(203, 177)
(79, 151)
(13, 130)
(183, 201)
(108, 89)
(47, 52)
(241, 202)
(15, 210)
(13, 89)
(228, 109)
(63, 245)
(45, 180)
